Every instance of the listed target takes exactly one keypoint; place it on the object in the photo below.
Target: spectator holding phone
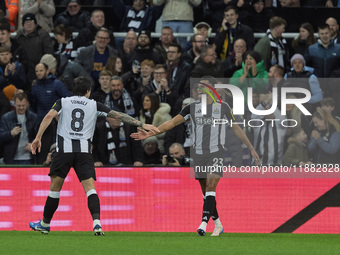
(17, 131)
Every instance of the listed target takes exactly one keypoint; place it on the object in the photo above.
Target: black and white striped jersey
(77, 120)
(208, 131)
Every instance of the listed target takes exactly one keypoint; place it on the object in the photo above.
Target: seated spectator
(114, 65)
(258, 18)
(176, 156)
(252, 75)
(17, 130)
(328, 105)
(45, 92)
(324, 144)
(162, 47)
(5, 40)
(43, 10)
(151, 153)
(297, 153)
(73, 16)
(11, 72)
(235, 59)
(230, 31)
(129, 45)
(302, 76)
(272, 47)
(94, 58)
(86, 36)
(35, 41)
(137, 17)
(155, 113)
(64, 42)
(11, 13)
(105, 87)
(179, 15)
(304, 40)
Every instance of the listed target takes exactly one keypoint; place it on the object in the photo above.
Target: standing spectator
(230, 31)
(137, 17)
(258, 18)
(43, 10)
(73, 16)
(156, 113)
(5, 40)
(167, 37)
(129, 45)
(325, 140)
(304, 40)
(86, 36)
(178, 15)
(151, 153)
(17, 130)
(234, 61)
(11, 71)
(334, 28)
(272, 47)
(94, 58)
(35, 41)
(252, 75)
(323, 56)
(12, 9)
(46, 91)
(144, 50)
(64, 43)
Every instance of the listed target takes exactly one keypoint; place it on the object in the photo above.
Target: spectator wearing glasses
(191, 56)
(73, 16)
(93, 58)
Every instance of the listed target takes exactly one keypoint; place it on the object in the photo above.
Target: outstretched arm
(132, 121)
(36, 144)
(242, 136)
(141, 135)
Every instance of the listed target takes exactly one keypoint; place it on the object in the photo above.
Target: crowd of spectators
(149, 78)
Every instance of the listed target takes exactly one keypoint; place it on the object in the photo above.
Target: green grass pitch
(83, 243)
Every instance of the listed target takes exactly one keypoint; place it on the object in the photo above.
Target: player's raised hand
(36, 144)
(140, 135)
(151, 128)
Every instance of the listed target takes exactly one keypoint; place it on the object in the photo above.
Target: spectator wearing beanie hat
(302, 76)
(35, 41)
(73, 16)
(51, 62)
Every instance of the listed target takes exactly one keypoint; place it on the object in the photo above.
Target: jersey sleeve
(185, 111)
(227, 111)
(102, 109)
(57, 105)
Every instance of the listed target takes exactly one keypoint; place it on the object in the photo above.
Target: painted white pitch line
(44, 193)
(114, 179)
(117, 194)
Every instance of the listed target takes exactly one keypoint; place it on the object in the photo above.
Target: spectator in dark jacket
(230, 31)
(258, 18)
(17, 130)
(137, 17)
(35, 41)
(45, 92)
(11, 72)
(73, 16)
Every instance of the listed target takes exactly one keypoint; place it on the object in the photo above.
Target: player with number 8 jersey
(76, 123)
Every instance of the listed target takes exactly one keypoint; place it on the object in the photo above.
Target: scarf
(278, 51)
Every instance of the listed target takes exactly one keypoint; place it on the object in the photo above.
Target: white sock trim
(54, 194)
(91, 192)
(210, 193)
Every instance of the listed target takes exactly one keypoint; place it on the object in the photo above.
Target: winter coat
(18, 79)
(10, 143)
(44, 14)
(295, 153)
(257, 82)
(161, 115)
(76, 22)
(177, 10)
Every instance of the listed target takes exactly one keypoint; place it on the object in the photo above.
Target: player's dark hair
(81, 85)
